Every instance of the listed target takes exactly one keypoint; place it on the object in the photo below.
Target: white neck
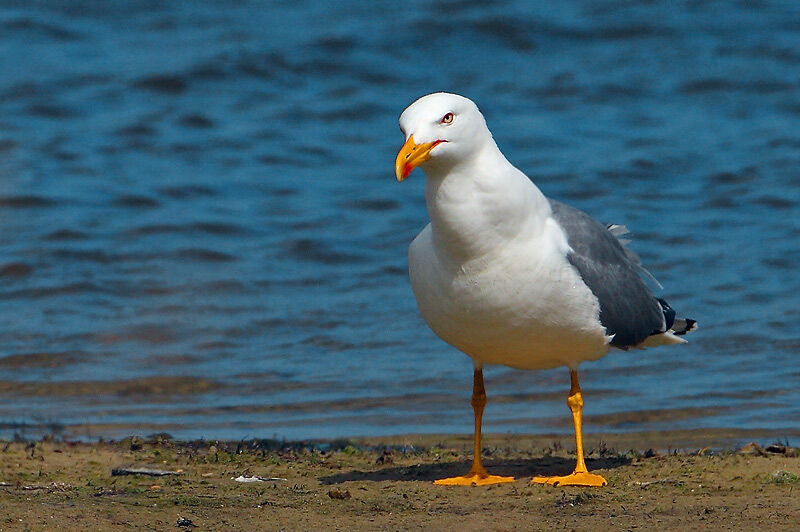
(482, 203)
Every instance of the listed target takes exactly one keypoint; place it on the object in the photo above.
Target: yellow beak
(412, 155)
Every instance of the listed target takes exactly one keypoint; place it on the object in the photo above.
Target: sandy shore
(678, 480)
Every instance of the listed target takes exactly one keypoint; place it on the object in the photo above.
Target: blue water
(200, 230)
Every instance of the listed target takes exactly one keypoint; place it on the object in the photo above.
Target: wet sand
(703, 479)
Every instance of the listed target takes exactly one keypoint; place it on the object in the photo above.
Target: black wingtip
(679, 326)
(689, 327)
(669, 314)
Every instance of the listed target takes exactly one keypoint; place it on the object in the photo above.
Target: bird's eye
(447, 119)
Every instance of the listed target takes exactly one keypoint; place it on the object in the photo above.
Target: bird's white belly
(524, 307)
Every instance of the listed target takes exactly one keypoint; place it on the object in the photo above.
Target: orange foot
(574, 479)
(473, 479)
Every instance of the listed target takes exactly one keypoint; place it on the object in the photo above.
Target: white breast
(522, 306)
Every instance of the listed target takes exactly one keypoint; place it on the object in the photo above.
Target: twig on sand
(242, 478)
(659, 481)
(120, 471)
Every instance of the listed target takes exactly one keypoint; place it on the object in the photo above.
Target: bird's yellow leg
(581, 476)
(477, 475)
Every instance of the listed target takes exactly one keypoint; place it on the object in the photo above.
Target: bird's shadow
(545, 466)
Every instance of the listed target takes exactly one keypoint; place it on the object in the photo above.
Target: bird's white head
(441, 130)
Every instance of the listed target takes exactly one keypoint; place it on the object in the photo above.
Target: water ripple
(198, 216)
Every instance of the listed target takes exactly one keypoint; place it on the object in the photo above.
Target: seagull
(510, 277)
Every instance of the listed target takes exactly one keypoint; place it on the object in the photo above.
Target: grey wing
(628, 309)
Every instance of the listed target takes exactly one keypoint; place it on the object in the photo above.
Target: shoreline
(703, 481)
(662, 440)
